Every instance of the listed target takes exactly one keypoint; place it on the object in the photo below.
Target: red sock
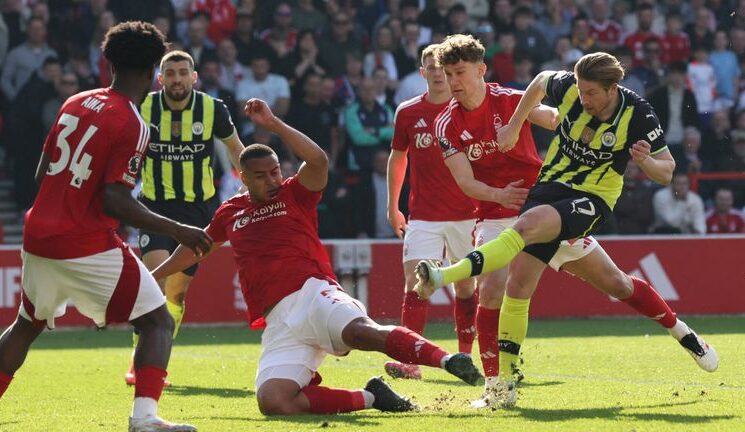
(487, 327)
(406, 346)
(649, 303)
(150, 381)
(414, 312)
(324, 400)
(465, 314)
(4, 382)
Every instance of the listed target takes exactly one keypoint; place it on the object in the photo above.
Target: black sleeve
(557, 85)
(645, 125)
(224, 127)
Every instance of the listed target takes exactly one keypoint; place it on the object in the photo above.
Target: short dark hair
(133, 45)
(255, 151)
(177, 56)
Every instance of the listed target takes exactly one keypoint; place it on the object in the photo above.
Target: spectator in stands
(717, 136)
(726, 70)
(23, 60)
(634, 213)
(737, 41)
(723, 218)
(635, 41)
(631, 21)
(553, 23)
(305, 16)
(303, 60)
(485, 34)
(231, 71)
(677, 209)
(382, 54)
(580, 35)
(335, 45)
(316, 118)
(703, 83)
(631, 82)
(347, 84)
(384, 87)
(406, 52)
(503, 64)
(92, 58)
(437, 15)
(523, 72)
(271, 88)
(675, 105)
(26, 133)
(528, 39)
(605, 33)
(734, 161)
(564, 55)
(700, 30)
(222, 20)
(411, 85)
(500, 12)
(245, 39)
(370, 197)
(369, 127)
(676, 45)
(410, 12)
(651, 70)
(281, 36)
(688, 156)
(65, 86)
(79, 64)
(457, 20)
(198, 44)
(209, 82)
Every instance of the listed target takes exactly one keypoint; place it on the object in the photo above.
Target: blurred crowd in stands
(337, 69)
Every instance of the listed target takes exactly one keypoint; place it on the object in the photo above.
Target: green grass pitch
(581, 375)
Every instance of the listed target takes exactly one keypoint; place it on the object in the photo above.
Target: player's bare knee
(411, 281)
(465, 289)
(363, 334)
(518, 288)
(618, 285)
(273, 404)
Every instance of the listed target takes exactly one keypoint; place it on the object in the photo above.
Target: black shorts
(582, 213)
(198, 214)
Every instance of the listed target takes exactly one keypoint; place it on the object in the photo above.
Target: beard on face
(178, 95)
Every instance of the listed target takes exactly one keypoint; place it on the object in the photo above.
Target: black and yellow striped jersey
(591, 155)
(178, 163)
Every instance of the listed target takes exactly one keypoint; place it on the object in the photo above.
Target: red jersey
(635, 42)
(730, 223)
(275, 244)
(434, 195)
(474, 133)
(98, 138)
(676, 48)
(607, 31)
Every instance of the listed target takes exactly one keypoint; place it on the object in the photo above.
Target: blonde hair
(599, 67)
(429, 51)
(459, 47)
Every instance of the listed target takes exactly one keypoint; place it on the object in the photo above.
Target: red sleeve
(447, 137)
(307, 199)
(400, 136)
(217, 229)
(126, 156)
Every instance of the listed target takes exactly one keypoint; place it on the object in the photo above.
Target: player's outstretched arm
(512, 196)
(313, 174)
(397, 162)
(181, 259)
(118, 203)
(536, 91)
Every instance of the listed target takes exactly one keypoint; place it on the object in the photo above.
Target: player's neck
(437, 98)
(175, 105)
(129, 89)
(474, 101)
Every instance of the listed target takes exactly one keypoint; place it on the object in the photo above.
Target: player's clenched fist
(260, 113)
(640, 151)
